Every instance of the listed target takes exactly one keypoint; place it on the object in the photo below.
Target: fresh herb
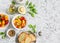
(30, 25)
(13, 2)
(3, 35)
(33, 27)
(30, 4)
(29, 31)
(31, 13)
(32, 10)
(26, 2)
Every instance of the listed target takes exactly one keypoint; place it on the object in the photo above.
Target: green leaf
(1, 33)
(33, 27)
(30, 7)
(29, 31)
(4, 36)
(30, 4)
(27, 2)
(33, 10)
(31, 13)
(13, 2)
(34, 5)
(30, 26)
(33, 30)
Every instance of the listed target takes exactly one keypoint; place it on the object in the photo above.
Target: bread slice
(22, 36)
(23, 41)
(28, 40)
(25, 37)
(33, 38)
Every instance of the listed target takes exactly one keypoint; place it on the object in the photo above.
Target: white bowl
(8, 22)
(8, 34)
(24, 9)
(14, 19)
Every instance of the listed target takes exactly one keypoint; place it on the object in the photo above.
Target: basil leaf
(1, 33)
(33, 10)
(30, 26)
(33, 27)
(31, 13)
(4, 36)
(33, 30)
(30, 4)
(26, 2)
(13, 2)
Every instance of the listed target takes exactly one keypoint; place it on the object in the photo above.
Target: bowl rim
(14, 25)
(8, 19)
(24, 8)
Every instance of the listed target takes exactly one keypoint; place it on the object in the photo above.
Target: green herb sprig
(32, 10)
(13, 2)
(33, 27)
(3, 35)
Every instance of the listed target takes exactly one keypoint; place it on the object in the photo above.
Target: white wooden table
(47, 20)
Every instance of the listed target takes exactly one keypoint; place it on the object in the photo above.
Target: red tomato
(0, 25)
(6, 22)
(23, 23)
(0, 19)
(3, 18)
(17, 26)
(22, 18)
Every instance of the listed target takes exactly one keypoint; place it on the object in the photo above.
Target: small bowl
(8, 34)
(15, 26)
(8, 22)
(23, 8)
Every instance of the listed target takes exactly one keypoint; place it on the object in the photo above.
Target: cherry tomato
(3, 18)
(0, 25)
(0, 19)
(17, 26)
(6, 22)
(22, 18)
(23, 23)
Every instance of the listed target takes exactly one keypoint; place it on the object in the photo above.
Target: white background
(47, 20)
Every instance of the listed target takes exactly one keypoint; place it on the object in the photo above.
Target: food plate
(4, 20)
(19, 21)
